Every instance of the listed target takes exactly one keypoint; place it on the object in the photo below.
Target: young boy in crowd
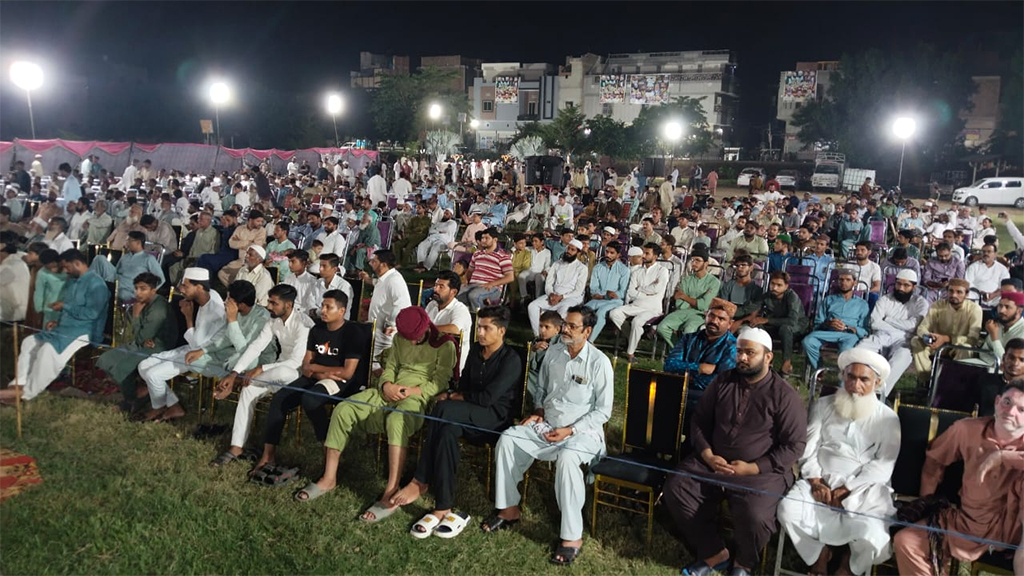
(550, 330)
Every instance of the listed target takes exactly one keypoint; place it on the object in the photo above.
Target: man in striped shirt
(489, 270)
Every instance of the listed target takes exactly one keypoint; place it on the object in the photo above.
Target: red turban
(412, 323)
(1015, 297)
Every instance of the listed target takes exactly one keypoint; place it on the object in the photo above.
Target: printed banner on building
(506, 89)
(648, 88)
(613, 88)
(800, 86)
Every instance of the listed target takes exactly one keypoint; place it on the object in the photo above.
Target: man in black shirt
(336, 364)
(487, 392)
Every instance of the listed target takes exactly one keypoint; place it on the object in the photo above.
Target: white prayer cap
(197, 274)
(635, 251)
(447, 210)
(401, 200)
(878, 364)
(576, 244)
(259, 250)
(908, 275)
(610, 230)
(352, 216)
(756, 335)
(39, 155)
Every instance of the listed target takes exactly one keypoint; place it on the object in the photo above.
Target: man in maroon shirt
(749, 428)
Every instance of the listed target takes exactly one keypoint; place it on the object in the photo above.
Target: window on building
(606, 109)
(531, 108)
(488, 106)
(568, 103)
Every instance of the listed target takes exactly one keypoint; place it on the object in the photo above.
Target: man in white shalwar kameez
(853, 440)
(893, 323)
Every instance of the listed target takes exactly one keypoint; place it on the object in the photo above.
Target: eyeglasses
(573, 327)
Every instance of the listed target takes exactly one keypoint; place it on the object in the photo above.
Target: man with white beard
(853, 440)
(893, 323)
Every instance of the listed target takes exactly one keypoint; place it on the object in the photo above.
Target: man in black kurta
(749, 429)
(485, 399)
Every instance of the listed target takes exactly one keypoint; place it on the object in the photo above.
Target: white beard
(364, 225)
(854, 407)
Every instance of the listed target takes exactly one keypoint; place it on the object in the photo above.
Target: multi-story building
(620, 85)
(508, 95)
(466, 69)
(373, 67)
(981, 121)
(809, 82)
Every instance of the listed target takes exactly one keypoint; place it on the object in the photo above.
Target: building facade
(373, 67)
(981, 120)
(508, 95)
(466, 69)
(808, 82)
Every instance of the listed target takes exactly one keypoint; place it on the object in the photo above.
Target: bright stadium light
(474, 123)
(220, 93)
(435, 111)
(903, 127)
(672, 131)
(28, 76)
(334, 107)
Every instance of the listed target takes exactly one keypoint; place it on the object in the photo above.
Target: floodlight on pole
(220, 93)
(28, 76)
(435, 111)
(903, 128)
(334, 107)
(672, 131)
(474, 123)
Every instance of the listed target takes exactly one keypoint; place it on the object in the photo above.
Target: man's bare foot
(787, 368)
(369, 516)
(172, 413)
(844, 567)
(511, 513)
(821, 566)
(411, 493)
(221, 392)
(151, 415)
(10, 394)
(261, 464)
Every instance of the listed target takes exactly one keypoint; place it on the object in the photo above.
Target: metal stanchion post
(17, 397)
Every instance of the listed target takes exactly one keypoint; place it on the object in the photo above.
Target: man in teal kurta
(134, 262)
(693, 295)
(83, 315)
(154, 329)
(367, 241)
(225, 349)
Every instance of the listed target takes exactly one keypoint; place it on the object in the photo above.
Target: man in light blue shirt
(608, 284)
(842, 319)
(495, 215)
(567, 426)
(134, 262)
(72, 190)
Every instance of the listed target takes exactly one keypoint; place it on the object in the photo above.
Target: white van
(993, 191)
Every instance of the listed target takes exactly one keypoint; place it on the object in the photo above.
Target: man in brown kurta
(992, 449)
(749, 428)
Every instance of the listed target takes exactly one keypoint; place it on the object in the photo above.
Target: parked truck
(828, 172)
(832, 175)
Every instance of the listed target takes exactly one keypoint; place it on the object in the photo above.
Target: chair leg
(778, 552)
(593, 510)
(650, 521)
(487, 473)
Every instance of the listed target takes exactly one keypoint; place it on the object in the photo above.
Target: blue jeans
(813, 341)
(601, 307)
(475, 296)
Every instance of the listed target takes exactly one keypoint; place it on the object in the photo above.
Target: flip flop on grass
(311, 491)
(379, 510)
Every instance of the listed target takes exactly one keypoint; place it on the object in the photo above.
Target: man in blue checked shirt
(842, 318)
(608, 284)
(706, 353)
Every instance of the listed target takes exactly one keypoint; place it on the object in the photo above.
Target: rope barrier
(667, 471)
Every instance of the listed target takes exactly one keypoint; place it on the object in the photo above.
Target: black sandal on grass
(497, 524)
(225, 458)
(565, 555)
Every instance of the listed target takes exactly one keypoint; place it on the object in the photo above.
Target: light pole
(903, 128)
(219, 94)
(672, 131)
(27, 76)
(334, 107)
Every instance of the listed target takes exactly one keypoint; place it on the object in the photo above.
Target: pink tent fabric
(201, 158)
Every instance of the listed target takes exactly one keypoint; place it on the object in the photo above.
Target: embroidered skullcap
(723, 304)
(756, 335)
(908, 275)
(1015, 297)
(576, 244)
(635, 251)
(259, 250)
(197, 274)
(960, 282)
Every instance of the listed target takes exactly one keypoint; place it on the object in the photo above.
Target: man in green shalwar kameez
(154, 328)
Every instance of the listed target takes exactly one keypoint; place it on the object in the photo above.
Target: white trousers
(895, 349)
(527, 276)
(428, 251)
(39, 364)
(540, 304)
(266, 383)
(517, 449)
(381, 342)
(640, 317)
(159, 369)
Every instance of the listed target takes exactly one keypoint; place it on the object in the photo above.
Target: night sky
(308, 48)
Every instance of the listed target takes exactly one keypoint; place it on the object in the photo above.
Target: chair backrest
(806, 293)
(461, 257)
(654, 412)
(384, 226)
(525, 353)
(817, 387)
(156, 251)
(919, 425)
(392, 202)
(415, 292)
(953, 385)
(877, 231)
